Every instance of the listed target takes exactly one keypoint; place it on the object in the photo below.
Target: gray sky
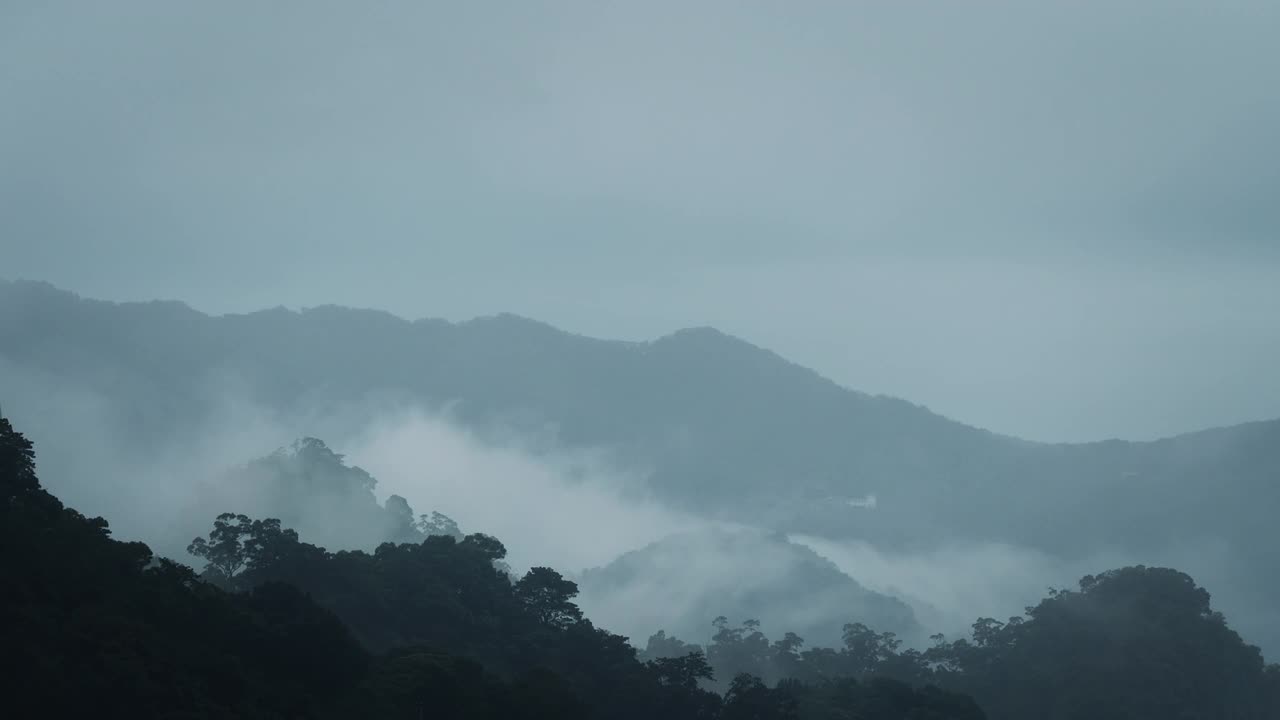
(1057, 220)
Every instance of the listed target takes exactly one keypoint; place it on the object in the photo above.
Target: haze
(1056, 222)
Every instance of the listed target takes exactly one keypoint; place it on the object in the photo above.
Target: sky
(1054, 220)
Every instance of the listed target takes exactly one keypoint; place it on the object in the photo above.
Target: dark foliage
(454, 596)
(93, 627)
(436, 628)
(1136, 643)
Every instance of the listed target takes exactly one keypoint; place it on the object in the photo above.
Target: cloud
(127, 462)
(566, 510)
(952, 585)
(570, 511)
(683, 582)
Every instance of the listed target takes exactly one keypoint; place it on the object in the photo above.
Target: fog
(685, 581)
(566, 510)
(577, 511)
(952, 586)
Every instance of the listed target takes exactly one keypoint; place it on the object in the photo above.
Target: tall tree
(224, 550)
(549, 597)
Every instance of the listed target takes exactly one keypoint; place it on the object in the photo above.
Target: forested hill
(275, 628)
(98, 627)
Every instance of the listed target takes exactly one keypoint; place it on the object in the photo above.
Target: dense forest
(279, 628)
(438, 627)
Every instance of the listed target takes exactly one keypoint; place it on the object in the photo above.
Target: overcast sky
(1056, 220)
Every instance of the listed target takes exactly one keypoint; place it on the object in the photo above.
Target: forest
(274, 627)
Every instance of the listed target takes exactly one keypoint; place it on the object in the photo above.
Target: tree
(1136, 643)
(734, 651)
(548, 596)
(487, 545)
(267, 543)
(401, 528)
(224, 551)
(311, 455)
(684, 671)
(867, 649)
(661, 645)
(749, 698)
(786, 654)
(238, 543)
(17, 462)
(438, 524)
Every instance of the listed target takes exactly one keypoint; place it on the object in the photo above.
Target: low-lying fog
(574, 511)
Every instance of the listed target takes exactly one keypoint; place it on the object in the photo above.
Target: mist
(520, 491)
(574, 510)
(555, 508)
(579, 510)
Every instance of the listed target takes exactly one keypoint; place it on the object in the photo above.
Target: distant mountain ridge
(21, 296)
(721, 427)
(710, 414)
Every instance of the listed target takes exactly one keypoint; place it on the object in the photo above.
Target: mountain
(744, 575)
(309, 488)
(95, 626)
(722, 427)
(98, 626)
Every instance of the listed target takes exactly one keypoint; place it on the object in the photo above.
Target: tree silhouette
(549, 597)
(866, 648)
(750, 699)
(17, 462)
(684, 671)
(224, 551)
(438, 523)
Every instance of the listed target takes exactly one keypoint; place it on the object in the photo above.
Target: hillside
(269, 630)
(683, 582)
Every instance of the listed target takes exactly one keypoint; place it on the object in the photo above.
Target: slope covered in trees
(1131, 644)
(1135, 643)
(311, 489)
(98, 627)
(683, 581)
(283, 628)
